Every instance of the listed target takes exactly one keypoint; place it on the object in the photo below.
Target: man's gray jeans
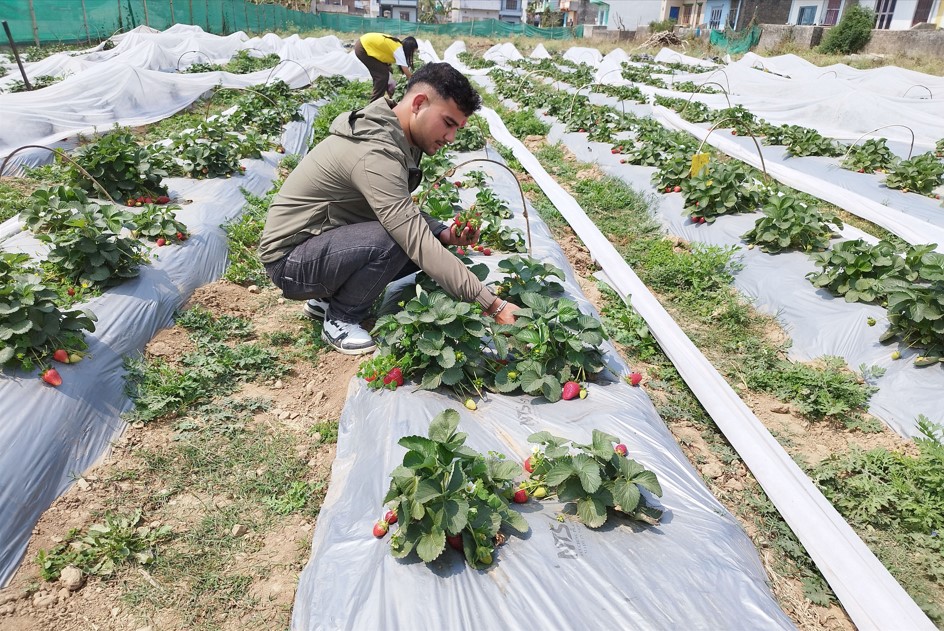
(348, 266)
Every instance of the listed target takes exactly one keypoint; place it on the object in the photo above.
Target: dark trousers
(379, 71)
(349, 266)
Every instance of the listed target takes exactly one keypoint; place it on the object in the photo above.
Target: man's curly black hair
(448, 83)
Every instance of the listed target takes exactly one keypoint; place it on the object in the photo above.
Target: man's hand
(505, 314)
(468, 236)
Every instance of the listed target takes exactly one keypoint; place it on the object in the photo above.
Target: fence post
(147, 21)
(191, 11)
(173, 20)
(207, 6)
(121, 24)
(32, 11)
(16, 55)
(85, 21)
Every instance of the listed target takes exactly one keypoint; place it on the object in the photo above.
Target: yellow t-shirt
(380, 47)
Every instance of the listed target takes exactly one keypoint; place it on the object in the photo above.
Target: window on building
(715, 20)
(405, 16)
(884, 9)
(807, 16)
(687, 14)
(511, 5)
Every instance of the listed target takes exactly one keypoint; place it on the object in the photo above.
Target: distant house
(511, 11)
(403, 10)
(629, 15)
(468, 10)
(895, 15)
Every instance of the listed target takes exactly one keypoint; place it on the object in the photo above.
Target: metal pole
(207, 5)
(191, 11)
(16, 55)
(246, 13)
(121, 25)
(173, 20)
(33, 20)
(146, 21)
(88, 37)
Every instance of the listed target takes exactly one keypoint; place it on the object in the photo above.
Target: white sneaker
(315, 309)
(347, 337)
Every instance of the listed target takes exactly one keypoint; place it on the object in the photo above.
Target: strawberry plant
(857, 270)
(789, 223)
(446, 491)
(474, 61)
(693, 111)
(870, 156)
(436, 339)
(50, 208)
(622, 92)
(722, 188)
(89, 250)
(780, 134)
(809, 142)
(740, 119)
(641, 74)
(471, 137)
(551, 342)
(119, 164)
(595, 477)
(524, 274)
(939, 148)
(922, 174)
(441, 200)
(916, 309)
(672, 172)
(32, 326)
(209, 150)
(504, 238)
(159, 222)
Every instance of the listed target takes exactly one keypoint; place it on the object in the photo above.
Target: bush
(664, 25)
(852, 33)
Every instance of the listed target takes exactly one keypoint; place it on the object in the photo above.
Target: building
(468, 10)
(895, 15)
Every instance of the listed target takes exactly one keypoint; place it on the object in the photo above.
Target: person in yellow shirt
(377, 51)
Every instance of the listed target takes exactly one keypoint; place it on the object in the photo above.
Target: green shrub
(664, 25)
(852, 33)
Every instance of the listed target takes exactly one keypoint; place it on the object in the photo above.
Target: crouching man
(344, 224)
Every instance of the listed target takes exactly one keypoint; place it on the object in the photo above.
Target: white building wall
(633, 13)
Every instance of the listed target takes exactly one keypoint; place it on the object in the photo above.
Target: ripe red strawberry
(734, 132)
(146, 200)
(487, 251)
(614, 150)
(861, 170)
(460, 251)
(621, 449)
(581, 130)
(394, 376)
(668, 189)
(528, 466)
(71, 291)
(181, 236)
(458, 183)
(381, 528)
(390, 517)
(571, 390)
(163, 199)
(677, 189)
(61, 356)
(130, 202)
(635, 378)
(51, 376)
(161, 242)
(521, 496)
(623, 161)
(455, 541)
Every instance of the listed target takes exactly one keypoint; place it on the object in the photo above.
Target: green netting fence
(38, 21)
(736, 42)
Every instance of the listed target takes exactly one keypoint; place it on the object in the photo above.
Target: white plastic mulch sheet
(696, 569)
(136, 83)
